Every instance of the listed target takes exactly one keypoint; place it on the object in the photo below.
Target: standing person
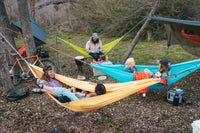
(163, 72)
(94, 46)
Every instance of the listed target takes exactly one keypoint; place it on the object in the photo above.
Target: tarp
(38, 33)
(183, 32)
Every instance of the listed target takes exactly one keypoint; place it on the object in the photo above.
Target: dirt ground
(40, 114)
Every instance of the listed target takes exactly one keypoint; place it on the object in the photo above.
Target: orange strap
(163, 81)
(66, 54)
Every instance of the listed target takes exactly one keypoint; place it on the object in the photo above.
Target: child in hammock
(60, 91)
(99, 90)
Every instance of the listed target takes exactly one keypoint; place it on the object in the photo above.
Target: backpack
(17, 93)
(63, 99)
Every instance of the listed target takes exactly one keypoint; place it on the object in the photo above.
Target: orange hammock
(193, 38)
(114, 91)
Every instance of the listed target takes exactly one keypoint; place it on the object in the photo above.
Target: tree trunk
(8, 34)
(5, 76)
(4, 23)
(32, 8)
(139, 33)
(148, 35)
(26, 28)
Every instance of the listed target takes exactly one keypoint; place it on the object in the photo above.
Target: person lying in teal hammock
(94, 47)
(163, 72)
(60, 91)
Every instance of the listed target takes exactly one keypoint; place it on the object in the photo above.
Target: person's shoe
(144, 94)
(37, 82)
(40, 85)
(38, 91)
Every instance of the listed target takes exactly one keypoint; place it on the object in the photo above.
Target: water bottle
(106, 58)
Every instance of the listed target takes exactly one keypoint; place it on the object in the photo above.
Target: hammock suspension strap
(174, 75)
(67, 54)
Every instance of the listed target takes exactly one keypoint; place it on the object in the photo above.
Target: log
(139, 33)
(49, 2)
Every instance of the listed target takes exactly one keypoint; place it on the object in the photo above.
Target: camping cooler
(196, 126)
(175, 95)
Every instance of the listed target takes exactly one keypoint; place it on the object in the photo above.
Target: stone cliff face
(51, 16)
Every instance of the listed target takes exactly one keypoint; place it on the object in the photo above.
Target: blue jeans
(59, 91)
(96, 55)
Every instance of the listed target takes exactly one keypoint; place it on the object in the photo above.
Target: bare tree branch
(56, 2)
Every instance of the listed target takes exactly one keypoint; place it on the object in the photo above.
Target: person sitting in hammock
(163, 72)
(94, 47)
(48, 77)
(130, 66)
(99, 90)
(60, 91)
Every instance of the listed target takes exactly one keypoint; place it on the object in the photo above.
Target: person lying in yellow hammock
(64, 92)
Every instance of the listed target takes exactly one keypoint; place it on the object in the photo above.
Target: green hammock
(106, 48)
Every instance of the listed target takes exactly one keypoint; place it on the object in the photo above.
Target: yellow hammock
(106, 48)
(114, 91)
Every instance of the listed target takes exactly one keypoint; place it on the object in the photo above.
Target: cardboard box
(99, 73)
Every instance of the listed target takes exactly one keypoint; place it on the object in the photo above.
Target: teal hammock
(117, 72)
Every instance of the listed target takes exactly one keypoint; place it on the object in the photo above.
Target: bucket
(80, 58)
(79, 63)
